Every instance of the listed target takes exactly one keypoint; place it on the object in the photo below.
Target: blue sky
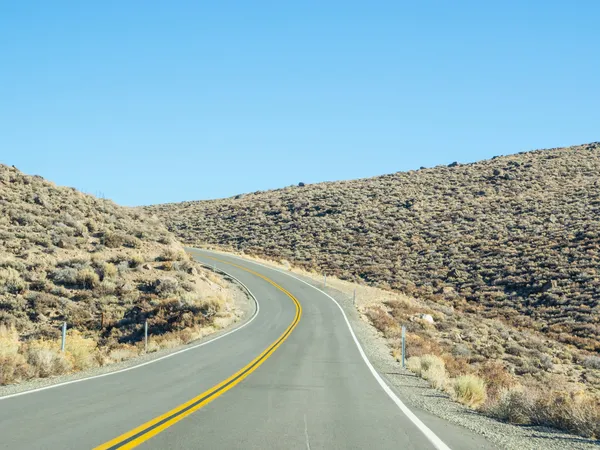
(156, 101)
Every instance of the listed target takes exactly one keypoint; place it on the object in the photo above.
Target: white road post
(146, 336)
(64, 337)
(354, 298)
(403, 346)
(324, 280)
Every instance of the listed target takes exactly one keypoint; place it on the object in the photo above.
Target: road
(292, 378)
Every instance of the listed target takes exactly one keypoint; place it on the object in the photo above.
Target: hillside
(515, 238)
(102, 268)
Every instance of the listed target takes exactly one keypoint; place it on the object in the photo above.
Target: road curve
(292, 378)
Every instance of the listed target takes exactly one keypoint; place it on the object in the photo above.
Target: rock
(427, 318)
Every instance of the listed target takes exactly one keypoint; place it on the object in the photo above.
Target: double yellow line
(151, 428)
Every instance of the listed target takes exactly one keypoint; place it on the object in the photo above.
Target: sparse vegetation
(67, 256)
(515, 238)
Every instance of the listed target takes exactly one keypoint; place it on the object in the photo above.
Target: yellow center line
(151, 428)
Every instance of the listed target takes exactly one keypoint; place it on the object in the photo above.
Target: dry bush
(497, 379)
(123, 352)
(469, 390)
(136, 261)
(591, 362)
(46, 359)
(172, 254)
(13, 367)
(9, 341)
(574, 411)
(514, 405)
(108, 271)
(166, 286)
(82, 350)
(381, 319)
(434, 371)
(456, 366)
(86, 278)
(577, 412)
(414, 364)
(11, 281)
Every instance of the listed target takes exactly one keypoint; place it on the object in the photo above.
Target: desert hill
(515, 238)
(102, 268)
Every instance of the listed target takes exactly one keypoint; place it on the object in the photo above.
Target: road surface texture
(292, 378)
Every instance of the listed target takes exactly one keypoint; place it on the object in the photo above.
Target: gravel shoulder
(244, 310)
(427, 402)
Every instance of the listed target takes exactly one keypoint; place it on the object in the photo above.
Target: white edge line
(436, 441)
(31, 391)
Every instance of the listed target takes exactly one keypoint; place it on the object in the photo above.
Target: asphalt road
(292, 378)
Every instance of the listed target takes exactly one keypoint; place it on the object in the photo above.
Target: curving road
(291, 378)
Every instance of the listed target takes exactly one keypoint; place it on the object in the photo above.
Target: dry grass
(469, 390)
(68, 256)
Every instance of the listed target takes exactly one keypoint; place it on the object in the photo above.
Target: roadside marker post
(64, 337)
(354, 298)
(403, 347)
(325, 280)
(146, 336)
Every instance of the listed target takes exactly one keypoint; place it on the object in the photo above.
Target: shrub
(13, 369)
(11, 281)
(123, 352)
(66, 276)
(108, 270)
(497, 379)
(136, 261)
(166, 286)
(172, 254)
(131, 242)
(514, 405)
(469, 390)
(46, 359)
(87, 278)
(112, 240)
(430, 367)
(436, 375)
(9, 341)
(577, 412)
(591, 362)
(82, 350)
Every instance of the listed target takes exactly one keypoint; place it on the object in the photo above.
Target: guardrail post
(146, 336)
(403, 346)
(64, 337)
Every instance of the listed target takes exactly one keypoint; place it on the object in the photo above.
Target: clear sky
(161, 101)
